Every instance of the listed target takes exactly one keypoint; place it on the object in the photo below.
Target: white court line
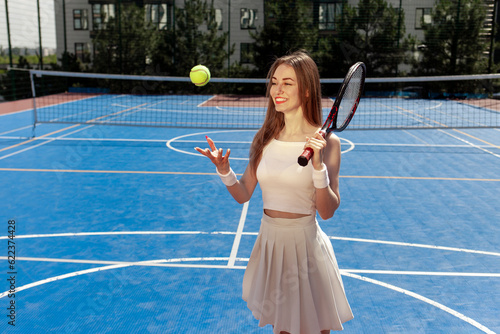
(55, 235)
(42, 143)
(438, 105)
(206, 101)
(395, 243)
(115, 265)
(416, 137)
(425, 300)
(80, 234)
(176, 262)
(407, 113)
(230, 110)
(179, 262)
(103, 139)
(420, 145)
(62, 138)
(406, 244)
(471, 144)
(132, 110)
(419, 273)
(18, 129)
(165, 263)
(169, 142)
(155, 263)
(128, 140)
(237, 238)
(93, 270)
(61, 277)
(16, 112)
(68, 102)
(176, 139)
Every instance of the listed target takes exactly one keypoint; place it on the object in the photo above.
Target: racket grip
(308, 152)
(305, 157)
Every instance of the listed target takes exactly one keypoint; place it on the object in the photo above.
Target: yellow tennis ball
(200, 75)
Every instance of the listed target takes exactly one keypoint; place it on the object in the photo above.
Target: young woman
(292, 280)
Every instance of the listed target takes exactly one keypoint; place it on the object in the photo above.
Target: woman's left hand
(317, 143)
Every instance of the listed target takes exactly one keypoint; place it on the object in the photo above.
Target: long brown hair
(310, 97)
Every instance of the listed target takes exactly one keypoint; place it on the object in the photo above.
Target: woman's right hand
(216, 156)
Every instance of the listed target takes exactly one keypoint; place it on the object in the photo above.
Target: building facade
(77, 21)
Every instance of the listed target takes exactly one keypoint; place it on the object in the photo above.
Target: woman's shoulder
(332, 138)
(333, 135)
(332, 142)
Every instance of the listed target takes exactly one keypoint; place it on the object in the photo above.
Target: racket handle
(305, 157)
(308, 152)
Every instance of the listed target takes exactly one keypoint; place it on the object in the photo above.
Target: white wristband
(320, 178)
(228, 179)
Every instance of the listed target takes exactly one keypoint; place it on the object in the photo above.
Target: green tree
(288, 26)
(335, 53)
(373, 32)
(23, 63)
(195, 39)
(70, 63)
(453, 42)
(126, 44)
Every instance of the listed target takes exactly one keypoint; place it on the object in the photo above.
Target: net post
(33, 92)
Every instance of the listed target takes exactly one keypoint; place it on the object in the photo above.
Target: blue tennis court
(122, 229)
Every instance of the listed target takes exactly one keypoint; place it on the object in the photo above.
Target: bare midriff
(282, 214)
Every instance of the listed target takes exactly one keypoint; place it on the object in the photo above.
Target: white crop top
(286, 186)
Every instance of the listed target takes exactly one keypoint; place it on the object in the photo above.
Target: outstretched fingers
(217, 156)
(208, 152)
(221, 157)
(211, 143)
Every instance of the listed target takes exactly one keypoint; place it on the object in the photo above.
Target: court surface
(124, 229)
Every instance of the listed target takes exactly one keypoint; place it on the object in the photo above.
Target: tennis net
(387, 103)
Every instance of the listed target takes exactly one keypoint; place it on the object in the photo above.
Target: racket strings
(350, 97)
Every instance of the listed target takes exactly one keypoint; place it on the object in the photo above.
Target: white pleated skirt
(292, 280)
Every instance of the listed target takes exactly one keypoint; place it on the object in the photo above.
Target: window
(327, 13)
(246, 51)
(217, 18)
(159, 15)
(102, 13)
(80, 19)
(82, 52)
(422, 17)
(248, 18)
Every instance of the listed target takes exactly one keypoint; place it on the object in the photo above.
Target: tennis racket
(343, 108)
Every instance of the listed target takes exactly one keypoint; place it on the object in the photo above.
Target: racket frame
(330, 124)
